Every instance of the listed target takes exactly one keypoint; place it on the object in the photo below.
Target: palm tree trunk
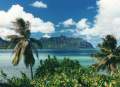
(31, 71)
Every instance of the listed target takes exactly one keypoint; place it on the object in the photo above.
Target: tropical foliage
(53, 65)
(109, 54)
(64, 76)
(24, 44)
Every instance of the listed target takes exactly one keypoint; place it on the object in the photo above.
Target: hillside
(61, 42)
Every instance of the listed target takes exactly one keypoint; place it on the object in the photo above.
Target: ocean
(82, 55)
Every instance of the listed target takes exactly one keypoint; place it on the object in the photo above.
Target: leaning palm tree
(23, 44)
(109, 54)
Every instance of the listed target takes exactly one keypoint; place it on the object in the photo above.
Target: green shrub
(64, 73)
(53, 65)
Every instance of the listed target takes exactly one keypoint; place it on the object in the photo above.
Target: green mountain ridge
(61, 42)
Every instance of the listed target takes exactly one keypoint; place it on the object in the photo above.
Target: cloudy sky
(89, 19)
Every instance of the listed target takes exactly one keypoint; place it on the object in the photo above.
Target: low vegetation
(64, 73)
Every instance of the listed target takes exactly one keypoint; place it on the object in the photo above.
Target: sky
(88, 19)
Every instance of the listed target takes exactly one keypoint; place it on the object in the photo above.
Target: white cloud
(46, 36)
(82, 24)
(108, 18)
(16, 11)
(107, 21)
(39, 4)
(69, 22)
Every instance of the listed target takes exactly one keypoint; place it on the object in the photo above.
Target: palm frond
(17, 56)
(13, 41)
(107, 63)
(110, 42)
(12, 36)
(109, 54)
(22, 27)
(28, 56)
(15, 38)
(113, 67)
(18, 45)
(99, 56)
(19, 50)
(35, 49)
(24, 45)
(101, 65)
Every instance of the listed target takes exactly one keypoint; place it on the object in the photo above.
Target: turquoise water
(83, 56)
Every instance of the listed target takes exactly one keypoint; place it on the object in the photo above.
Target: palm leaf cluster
(24, 44)
(109, 54)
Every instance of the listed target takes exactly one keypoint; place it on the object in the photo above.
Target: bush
(51, 66)
(65, 73)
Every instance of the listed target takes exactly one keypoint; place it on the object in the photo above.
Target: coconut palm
(24, 44)
(109, 54)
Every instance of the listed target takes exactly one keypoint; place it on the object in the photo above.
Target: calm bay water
(83, 56)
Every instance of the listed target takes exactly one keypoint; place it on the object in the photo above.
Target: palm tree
(25, 45)
(109, 54)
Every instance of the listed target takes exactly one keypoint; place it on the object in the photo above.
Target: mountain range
(60, 42)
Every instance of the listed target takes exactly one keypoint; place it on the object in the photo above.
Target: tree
(25, 45)
(109, 54)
